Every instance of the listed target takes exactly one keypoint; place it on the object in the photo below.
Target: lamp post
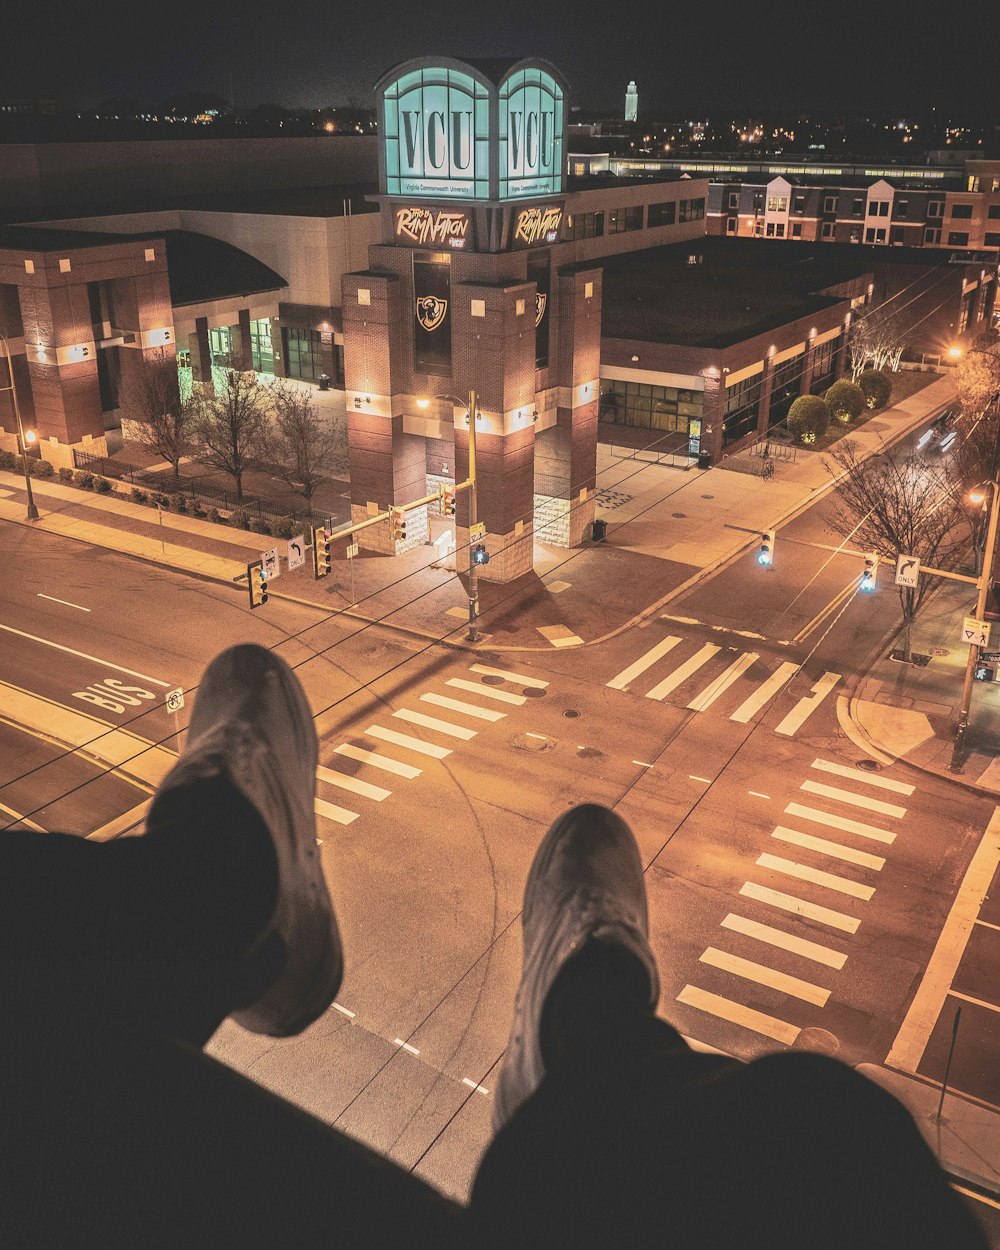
(32, 510)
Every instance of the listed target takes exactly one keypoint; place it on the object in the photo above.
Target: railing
(630, 442)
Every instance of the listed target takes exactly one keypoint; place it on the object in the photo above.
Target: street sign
(296, 552)
(477, 531)
(175, 700)
(907, 571)
(271, 563)
(352, 550)
(976, 632)
(990, 657)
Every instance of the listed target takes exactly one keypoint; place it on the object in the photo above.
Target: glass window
(828, 230)
(734, 199)
(829, 203)
(823, 364)
(261, 348)
(993, 212)
(991, 240)
(857, 207)
(622, 219)
(692, 210)
(777, 203)
(650, 407)
(663, 214)
(584, 226)
(958, 238)
(796, 229)
(935, 208)
(302, 353)
(220, 343)
(902, 208)
(799, 204)
(931, 235)
(961, 210)
(740, 415)
(731, 225)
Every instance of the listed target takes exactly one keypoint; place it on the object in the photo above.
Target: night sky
(690, 57)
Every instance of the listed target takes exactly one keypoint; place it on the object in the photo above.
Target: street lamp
(983, 584)
(22, 438)
(473, 634)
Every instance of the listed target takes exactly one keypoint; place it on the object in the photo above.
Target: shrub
(877, 388)
(846, 400)
(163, 501)
(180, 503)
(84, 479)
(260, 525)
(65, 474)
(139, 496)
(8, 460)
(196, 509)
(102, 486)
(40, 468)
(284, 527)
(809, 417)
(213, 515)
(239, 519)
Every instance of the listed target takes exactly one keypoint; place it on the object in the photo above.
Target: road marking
(986, 924)
(346, 782)
(816, 876)
(977, 1002)
(411, 744)
(855, 800)
(841, 822)
(432, 722)
(466, 709)
(127, 820)
(480, 1089)
(736, 1013)
(83, 655)
(489, 692)
(332, 812)
(21, 820)
(641, 764)
(541, 737)
(915, 1032)
(65, 602)
(835, 849)
(683, 672)
(827, 610)
(800, 907)
(706, 780)
(856, 774)
(384, 762)
(534, 683)
(763, 975)
(721, 684)
(621, 681)
(765, 692)
(757, 794)
(785, 941)
(406, 1046)
(807, 705)
(343, 1011)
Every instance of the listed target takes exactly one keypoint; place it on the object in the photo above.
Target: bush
(239, 519)
(8, 460)
(162, 501)
(196, 509)
(84, 479)
(102, 486)
(65, 474)
(180, 503)
(285, 527)
(213, 515)
(40, 468)
(260, 525)
(877, 388)
(809, 417)
(139, 496)
(846, 400)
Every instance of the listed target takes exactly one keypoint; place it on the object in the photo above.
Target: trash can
(324, 381)
(704, 459)
(599, 531)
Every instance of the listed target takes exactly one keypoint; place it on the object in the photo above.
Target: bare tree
(303, 447)
(230, 426)
(978, 378)
(151, 399)
(877, 339)
(898, 506)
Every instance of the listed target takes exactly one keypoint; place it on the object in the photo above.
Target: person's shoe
(585, 882)
(251, 722)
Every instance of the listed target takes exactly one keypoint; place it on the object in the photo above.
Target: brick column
(808, 366)
(766, 387)
(712, 415)
(840, 356)
(201, 353)
(243, 345)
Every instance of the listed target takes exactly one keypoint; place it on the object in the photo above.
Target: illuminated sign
(443, 226)
(539, 224)
(431, 311)
(531, 135)
(436, 135)
(541, 299)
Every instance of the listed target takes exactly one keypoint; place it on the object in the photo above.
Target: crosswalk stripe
(332, 812)
(736, 1013)
(383, 762)
(404, 740)
(785, 941)
(535, 683)
(346, 782)
(432, 722)
(800, 907)
(683, 672)
(764, 692)
(855, 800)
(806, 706)
(763, 975)
(841, 822)
(488, 692)
(467, 709)
(721, 684)
(870, 779)
(835, 849)
(622, 679)
(803, 872)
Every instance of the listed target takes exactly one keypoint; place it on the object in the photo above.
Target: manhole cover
(679, 515)
(589, 753)
(870, 766)
(708, 496)
(817, 1040)
(532, 692)
(490, 680)
(571, 713)
(939, 651)
(532, 742)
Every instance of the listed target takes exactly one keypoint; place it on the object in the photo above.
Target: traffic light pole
(32, 510)
(473, 634)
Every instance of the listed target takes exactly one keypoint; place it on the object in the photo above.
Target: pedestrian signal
(480, 555)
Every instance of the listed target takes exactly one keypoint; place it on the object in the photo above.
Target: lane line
(622, 679)
(406, 1046)
(827, 610)
(836, 850)
(721, 684)
(411, 744)
(785, 941)
(757, 794)
(83, 655)
(642, 764)
(466, 709)
(346, 782)
(764, 692)
(807, 705)
(763, 975)
(488, 692)
(384, 762)
(854, 800)
(870, 779)
(343, 1011)
(706, 780)
(332, 812)
(841, 822)
(736, 1013)
(683, 672)
(533, 683)
(800, 907)
(815, 876)
(977, 1002)
(432, 722)
(22, 820)
(65, 602)
(480, 1089)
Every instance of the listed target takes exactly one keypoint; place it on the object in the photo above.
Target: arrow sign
(271, 563)
(296, 553)
(175, 700)
(907, 571)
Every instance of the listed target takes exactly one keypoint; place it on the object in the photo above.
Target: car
(941, 434)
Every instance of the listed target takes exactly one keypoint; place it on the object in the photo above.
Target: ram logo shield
(541, 299)
(431, 311)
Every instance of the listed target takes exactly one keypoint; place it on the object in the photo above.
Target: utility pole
(983, 582)
(32, 510)
(473, 634)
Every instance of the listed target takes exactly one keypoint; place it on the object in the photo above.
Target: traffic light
(480, 555)
(448, 501)
(257, 578)
(765, 552)
(397, 524)
(321, 553)
(870, 574)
